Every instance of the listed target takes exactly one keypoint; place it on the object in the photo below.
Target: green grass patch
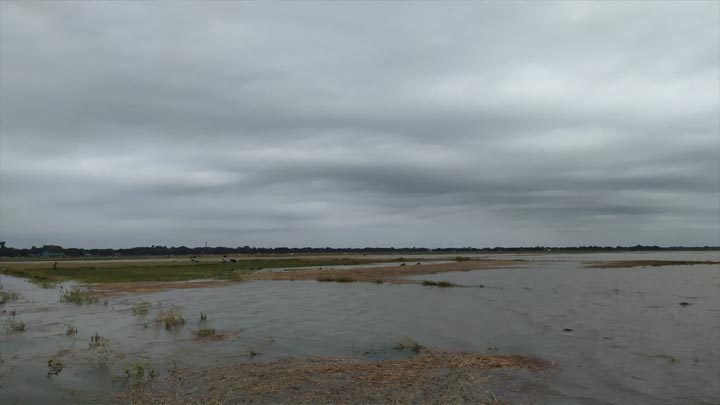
(180, 270)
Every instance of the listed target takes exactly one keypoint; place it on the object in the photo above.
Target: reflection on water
(616, 335)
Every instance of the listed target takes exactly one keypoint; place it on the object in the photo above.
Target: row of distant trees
(54, 250)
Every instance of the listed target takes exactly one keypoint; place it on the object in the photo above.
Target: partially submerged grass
(337, 279)
(80, 296)
(208, 333)
(439, 283)
(97, 341)
(8, 296)
(71, 330)
(138, 372)
(141, 308)
(170, 319)
(15, 326)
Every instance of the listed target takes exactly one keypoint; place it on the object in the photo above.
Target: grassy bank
(113, 272)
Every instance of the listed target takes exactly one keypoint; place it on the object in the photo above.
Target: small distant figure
(55, 266)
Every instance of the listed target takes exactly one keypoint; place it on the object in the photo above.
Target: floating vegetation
(439, 283)
(337, 279)
(208, 333)
(170, 319)
(97, 341)
(141, 308)
(80, 296)
(15, 326)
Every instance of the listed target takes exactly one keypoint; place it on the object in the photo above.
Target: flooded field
(642, 335)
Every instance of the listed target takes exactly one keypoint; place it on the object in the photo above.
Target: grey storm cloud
(359, 124)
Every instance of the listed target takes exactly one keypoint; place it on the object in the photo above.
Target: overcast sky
(359, 124)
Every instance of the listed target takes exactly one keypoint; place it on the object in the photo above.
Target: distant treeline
(54, 250)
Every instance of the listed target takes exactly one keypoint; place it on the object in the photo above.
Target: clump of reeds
(71, 330)
(97, 341)
(170, 319)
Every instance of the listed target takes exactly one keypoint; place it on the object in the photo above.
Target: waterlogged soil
(426, 376)
(394, 273)
(641, 335)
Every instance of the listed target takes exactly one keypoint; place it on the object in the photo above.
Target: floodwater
(616, 336)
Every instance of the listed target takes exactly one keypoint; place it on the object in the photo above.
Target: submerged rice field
(544, 328)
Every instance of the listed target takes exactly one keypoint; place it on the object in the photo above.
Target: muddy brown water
(616, 336)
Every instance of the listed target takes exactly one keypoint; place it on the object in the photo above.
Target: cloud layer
(382, 124)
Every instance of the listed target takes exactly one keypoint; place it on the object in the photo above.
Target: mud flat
(425, 377)
(392, 274)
